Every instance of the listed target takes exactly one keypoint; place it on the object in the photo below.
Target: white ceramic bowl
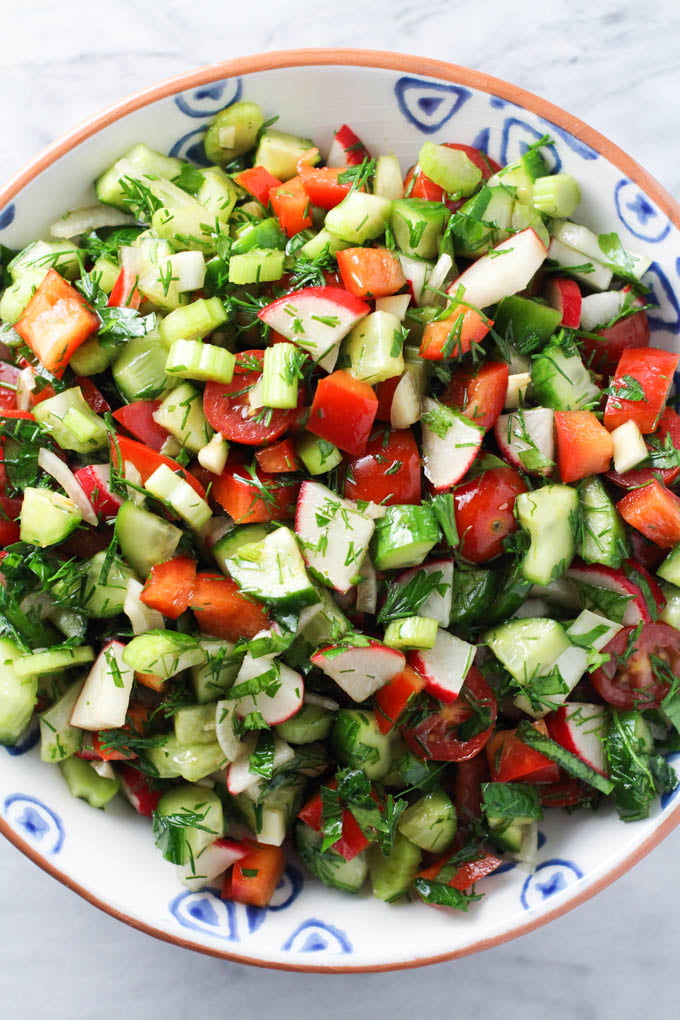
(394, 103)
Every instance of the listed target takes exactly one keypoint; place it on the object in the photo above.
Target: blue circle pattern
(667, 315)
(638, 215)
(41, 826)
(549, 878)
(207, 100)
(190, 146)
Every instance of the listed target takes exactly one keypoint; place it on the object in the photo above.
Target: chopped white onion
(82, 221)
(103, 769)
(62, 474)
(132, 260)
(142, 617)
(436, 279)
(188, 270)
(318, 699)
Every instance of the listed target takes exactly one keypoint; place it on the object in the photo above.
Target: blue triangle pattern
(314, 936)
(428, 105)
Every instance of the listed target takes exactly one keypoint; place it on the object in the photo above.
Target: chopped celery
(193, 359)
(165, 485)
(192, 322)
(281, 375)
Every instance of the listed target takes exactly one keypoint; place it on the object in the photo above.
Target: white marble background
(617, 66)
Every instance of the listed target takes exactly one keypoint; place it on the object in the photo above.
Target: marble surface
(614, 64)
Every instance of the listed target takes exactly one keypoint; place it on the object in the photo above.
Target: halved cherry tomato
(632, 679)
(9, 376)
(253, 500)
(668, 431)
(655, 511)
(277, 459)
(343, 411)
(511, 761)
(584, 447)
(388, 471)
(138, 419)
(147, 461)
(55, 322)
(470, 775)
(258, 182)
(370, 272)
(466, 874)
(453, 336)
(291, 206)
(227, 408)
(9, 520)
(384, 391)
(484, 512)
(439, 737)
(645, 552)
(603, 355)
(653, 370)
(479, 393)
(322, 186)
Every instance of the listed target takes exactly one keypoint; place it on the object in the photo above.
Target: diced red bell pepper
(655, 511)
(253, 879)
(169, 586)
(393, 697)
(322, 186)
(258, 182)
(370, 272)
(388, 471)
(291, 206)
(137, 419)
(151, 680)
(254, 500)
(466, 874)
(125, 293)
(139, 791)
(653, 369)
(104, 753)
(343, 411)
(277, 459)
(602, 351)
(454, 336)
(584, 447)
(222, 611)
(352, 841)
(512, 761)
(479, 393)
(92, 396)
(147, 461)
(55, 322)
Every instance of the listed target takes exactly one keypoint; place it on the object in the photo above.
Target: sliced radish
(103, 702)
(415, 271)
(360, 670)
(347, 149)
(315, 318)
(616, 581)
(565, 295)
(320, 701)
(438, 604)
(95, 481)
(212, 861)
(450, 443)
(599, 309)
(527, 439)
(334, 534)
(444, 666)
(581, 728)
(505, 270)
(138, 789)
(284, 701)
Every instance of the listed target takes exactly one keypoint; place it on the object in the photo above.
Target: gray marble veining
(617, 66)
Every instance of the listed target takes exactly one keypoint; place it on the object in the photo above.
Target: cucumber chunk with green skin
(71, 422)
(18, 695)
(188, 761)
(273, 570)
(144, 538)
(391, 877)
(86, 784)
(670, 568)
(411, 632)
(58, 739)
(318, 455)
(473, 595)
(47, 517)
(163, 652)
(90, 358)
(513, 591)
(418, 226)
(139, 369)
(259, 265)
(329, 867)
(670, 613)
(242, 534)
(430, 822)
(529, 646)
(279, 153)
(53, 660)
(602, 536)
(527, 324)
(359, 217)
(549, 516)
(217, 193)
(263, 234)
(482, 222)
(147, 163)
(187, 819)
(560, 380)
(181, 414)
(374, 348)
(309, 724)
(404, 536)
(213, 678)
(195, 724)
(105, 593)
(233, 132)
(359, 743)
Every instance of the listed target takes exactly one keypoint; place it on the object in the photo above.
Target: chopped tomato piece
(222, 611)
(9, 520)
(466, 874)
(392, 698)
(138, 419)
(150, 680)
(254, 498)
(258, 182)
(655, 511)
(479, 393)
(484, 512)
(228, 410)
(125, 293)
(512, 761)
(9, 377)
(437, 737)
(384, 391)
(277, 459)
(93, 397)
(631, 678)
(646, 373)
(584, 447)
(322, 186)
(388, 471)
(291, 206)
(169, 586)
(253, 879)
(370, 272)
(343, 411)
(55, 322)
(454, 336)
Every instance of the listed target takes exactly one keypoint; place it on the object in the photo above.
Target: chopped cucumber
(83, 782)
(360, 744)
(58, 739)
(451, 169)
(212, 678)
(359, 217)
(430, 822)
(602, 536)
(144, 538)
(279, 153)
(404, 536)
(374, 348)
(549, 516)
(192, 322)
(139, 370)
(53, 660)
(69, 419)
(163, 652)
(528, 647)
(560, 380)
(47, 517)
(242, 534)
(525, 323)
(391, 877)
(281, 376)
(195, 724)
(318, 455)
(329, 867)
(180, 839)
(259, 265)
(193, 359)
(181, 414)
(309, 724)
(273, 570)
(167, 486)
(188, 761)
(261, 234)
(418, 226)
(670, 568)
(233, 132)
(18, 695)
(145, 162)
(105, 591)
(411, 632)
